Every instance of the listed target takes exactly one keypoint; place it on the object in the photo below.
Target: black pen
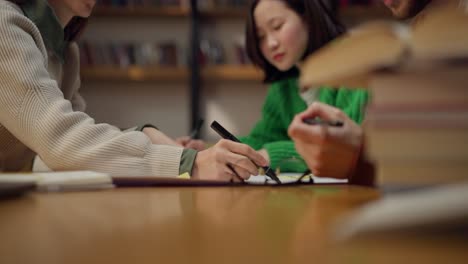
(196, 131)
(226, 135)
(315, 121)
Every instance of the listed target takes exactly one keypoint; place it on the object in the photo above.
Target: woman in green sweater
(280, 34)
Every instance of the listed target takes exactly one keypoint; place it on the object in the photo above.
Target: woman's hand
(227, 161)
(328, 151)
(158, 137)
(188, 142)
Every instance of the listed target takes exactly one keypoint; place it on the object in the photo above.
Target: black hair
(323, 26)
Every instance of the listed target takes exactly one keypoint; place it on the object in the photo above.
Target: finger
(196, 144)
(310, 134)
(324, 112)
(235, 177)
(183, 140)
(191, 144)
(242, 162)
(241, 172)
(245, 150)
(226, 174)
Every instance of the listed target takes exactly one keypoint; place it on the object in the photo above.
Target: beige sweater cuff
(164, 160)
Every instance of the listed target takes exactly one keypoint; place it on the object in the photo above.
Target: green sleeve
(283, 155)
(187, 160)
(271, 132)
(352, 101)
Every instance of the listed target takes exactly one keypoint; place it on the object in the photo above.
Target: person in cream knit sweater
(41, 111)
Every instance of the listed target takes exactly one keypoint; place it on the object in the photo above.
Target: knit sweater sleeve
(283, 155)
(34, 110)
(270, 133)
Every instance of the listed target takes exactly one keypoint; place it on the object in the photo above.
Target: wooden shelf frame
(142, 11)
(158, 73)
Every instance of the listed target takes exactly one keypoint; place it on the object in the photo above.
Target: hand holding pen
(227, 161)
(227, 135)
(327, 139)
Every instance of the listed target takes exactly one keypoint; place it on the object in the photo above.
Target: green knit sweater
(282, 103)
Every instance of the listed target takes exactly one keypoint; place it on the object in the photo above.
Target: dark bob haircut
(322, 25)
(73, 29)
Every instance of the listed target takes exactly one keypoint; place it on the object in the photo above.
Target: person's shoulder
(9, 7)
(11, 13)
(18, 31)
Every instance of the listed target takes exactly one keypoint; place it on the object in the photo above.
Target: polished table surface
(201, 225)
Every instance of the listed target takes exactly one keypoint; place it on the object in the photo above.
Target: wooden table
(184, 225)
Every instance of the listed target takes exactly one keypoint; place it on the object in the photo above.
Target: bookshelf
(354, 12)
(211, 72)
(176, 74)
(231, 73)
(134, 73)
(139, 11)
(224, 72)
(178, 12)
(194, 82)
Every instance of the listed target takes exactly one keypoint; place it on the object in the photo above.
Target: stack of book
(417, 121)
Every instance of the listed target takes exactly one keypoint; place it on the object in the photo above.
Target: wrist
(196, 167)
(363, 172)
(355, 161)
(194, 174)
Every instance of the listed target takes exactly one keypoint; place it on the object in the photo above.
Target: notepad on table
(185, 180)
(289, 178)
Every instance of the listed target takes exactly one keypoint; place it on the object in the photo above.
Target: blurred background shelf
(166, 34)
(141, 11)
(231, 73)
(134, 73)
(353, 12)
(159, 73)
(223, 12)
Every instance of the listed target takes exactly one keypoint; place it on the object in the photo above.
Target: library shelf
(161, 73)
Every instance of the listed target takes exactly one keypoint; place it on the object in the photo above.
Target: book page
(286, 178)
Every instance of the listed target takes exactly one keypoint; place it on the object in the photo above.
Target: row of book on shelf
(216, 3)
(167, 53)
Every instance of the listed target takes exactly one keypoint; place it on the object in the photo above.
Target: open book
(286, 179)
(89, 180)
(440, 34)
(61, 181)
